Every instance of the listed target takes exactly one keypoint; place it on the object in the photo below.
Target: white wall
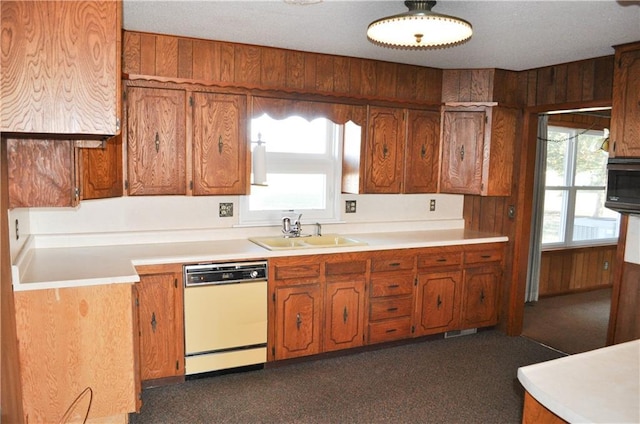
(188, 213)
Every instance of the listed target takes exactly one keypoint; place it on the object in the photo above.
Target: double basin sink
(306, 242)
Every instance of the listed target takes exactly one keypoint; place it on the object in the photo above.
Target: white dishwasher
(225, 315)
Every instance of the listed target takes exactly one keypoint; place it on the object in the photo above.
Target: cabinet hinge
(619, 62)
(126, 184)
(486, 119)
(191, 101)
(124, 95)
(190, 185)
(76, 192)
(413, 328)
(273, 297)
(137, 302)
(177, 365)
(273, 351)
(415, 281)
(117, 124)
(175, 282)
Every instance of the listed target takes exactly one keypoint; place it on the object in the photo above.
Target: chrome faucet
(289, 229)
(318, 229)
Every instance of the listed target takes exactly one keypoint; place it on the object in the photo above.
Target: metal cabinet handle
(393, 286)
(481, 296)
(385, 150)
(462, 152)
(157, 142)
(345, 315)
(392, 309)
(423, 151)
(220, 144)
(439, 302)
(154, 323)
(298, 321)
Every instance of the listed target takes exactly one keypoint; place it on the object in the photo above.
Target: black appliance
(623, 185)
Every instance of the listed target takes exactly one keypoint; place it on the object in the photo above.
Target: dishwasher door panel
(225, 316)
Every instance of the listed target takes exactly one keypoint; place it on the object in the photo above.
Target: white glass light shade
(419, 29)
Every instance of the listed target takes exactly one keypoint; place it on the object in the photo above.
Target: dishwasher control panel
(224, 273)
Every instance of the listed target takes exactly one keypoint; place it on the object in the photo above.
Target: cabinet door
(422, 152)
(156, 141)
(101, 170)
(437, 301)
(219, 144)
(462, 151)
(384, 156)
(160, 319)
(344, 315)
(41, 173)
(625, 114)
(61, 67)
(480, 297)
(298, 321)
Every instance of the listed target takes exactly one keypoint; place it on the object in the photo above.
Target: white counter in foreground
(600, 386)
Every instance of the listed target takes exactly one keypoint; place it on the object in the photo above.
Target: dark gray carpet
(572, 323)
(468, 379)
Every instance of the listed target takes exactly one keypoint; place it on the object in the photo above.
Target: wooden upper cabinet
(219, 144)
(625, 112)
(101, 170)
(61, 67)
(156, 141)
(384, 150)
(477, 150)
(422, 152)
(41, 173)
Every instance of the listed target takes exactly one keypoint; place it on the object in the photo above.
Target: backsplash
(189, 214)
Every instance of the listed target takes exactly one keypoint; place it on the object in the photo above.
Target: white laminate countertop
(599, 386)
(59, 267)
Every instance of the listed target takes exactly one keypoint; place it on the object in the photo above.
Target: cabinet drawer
(285, 272)
(390, 308)
(339, 268)
(439, 259)
(394, 329)
(393, 285)
(482, 256)
(393, 264)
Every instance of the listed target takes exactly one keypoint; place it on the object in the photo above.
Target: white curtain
(533, 273)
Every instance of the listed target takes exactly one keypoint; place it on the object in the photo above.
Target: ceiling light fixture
(419, 28)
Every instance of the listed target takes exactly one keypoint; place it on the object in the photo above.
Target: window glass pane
(553, 220)
(591, 161)
(557, 151)
(290, 191)
(291, 135)
(592, 220)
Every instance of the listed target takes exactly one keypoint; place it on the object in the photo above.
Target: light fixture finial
(419, 28)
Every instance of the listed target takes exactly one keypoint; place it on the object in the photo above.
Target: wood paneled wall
(482, 85)
(573, 270)
(241, 65)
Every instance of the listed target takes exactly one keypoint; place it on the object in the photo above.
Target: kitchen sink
(306, 242)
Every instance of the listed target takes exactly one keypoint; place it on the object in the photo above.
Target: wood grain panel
(247, 65)
(324, 73)
(422, 152)
(185, 58)
(310, 66)
(573, 270)
(535, 413)
(41, 173)
(273, 67)
(294, 69)
(227, 63)
(341, 71)
(205, 60)
(386, 79)
(147, 54)
(71, 339)
(627, 325)
(60, 67)
(101, 170)
(166, 56)
(131, 53)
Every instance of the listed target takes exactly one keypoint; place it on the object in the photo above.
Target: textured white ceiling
(513, 35)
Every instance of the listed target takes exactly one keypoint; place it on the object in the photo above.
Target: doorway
(573, 238)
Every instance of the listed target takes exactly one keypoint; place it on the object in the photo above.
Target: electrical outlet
(432, 205)
(606, 265)
(350, 206)
(17, 231)
(226, 210)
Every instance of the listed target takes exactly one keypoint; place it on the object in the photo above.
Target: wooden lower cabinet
(74, 339)
(298, 321)
(344, 314)
(480, 297)
(160, 318)
(437, 302)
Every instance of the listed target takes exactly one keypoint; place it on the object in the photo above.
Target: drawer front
(493, 255)
(393, 264)
(394, 329)
(390, 308)
(341, 268)
(393, 285)
(287, 272)
(440, 259)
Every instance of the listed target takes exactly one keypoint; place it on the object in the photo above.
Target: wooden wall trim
(233, 65)
(617, 280)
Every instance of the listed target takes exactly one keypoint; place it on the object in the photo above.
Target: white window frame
(571, 190)
(329, 164)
